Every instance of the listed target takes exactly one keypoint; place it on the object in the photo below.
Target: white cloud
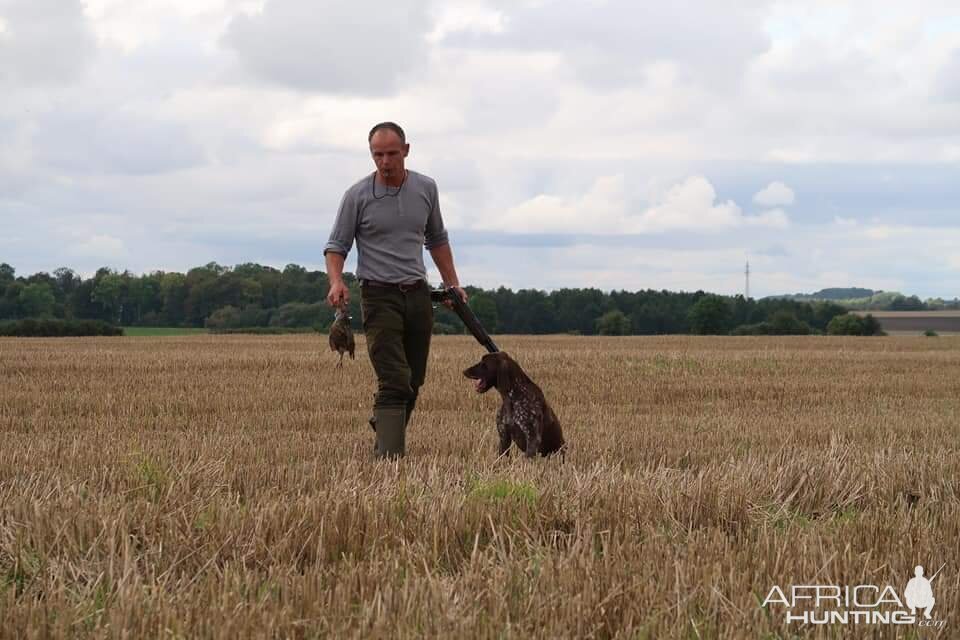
(774, 218)
(128, 26)
(844, 222)
(602, 209)
(104, 247)
(887, 231)
(204, 126)
(363, 47)
(691, 205)
(473, 18)
(949, 77)
(774, 194)
(610, 43)
(27, 57)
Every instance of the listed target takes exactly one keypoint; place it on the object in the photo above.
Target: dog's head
(494, 370)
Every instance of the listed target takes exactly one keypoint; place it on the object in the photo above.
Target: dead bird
(341, 335)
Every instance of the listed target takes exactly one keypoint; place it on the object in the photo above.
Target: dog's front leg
(533, 445)
(503, 451)
(534, 435)
(533, 441)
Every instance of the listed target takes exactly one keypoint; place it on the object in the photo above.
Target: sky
(613, 144)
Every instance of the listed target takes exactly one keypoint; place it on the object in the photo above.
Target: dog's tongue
(478, 384)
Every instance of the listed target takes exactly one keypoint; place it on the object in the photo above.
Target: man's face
(388, 153)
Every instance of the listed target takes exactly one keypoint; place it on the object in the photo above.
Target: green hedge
(272, 331)
(32, 328)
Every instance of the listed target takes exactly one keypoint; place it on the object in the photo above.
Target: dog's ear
(507, 372)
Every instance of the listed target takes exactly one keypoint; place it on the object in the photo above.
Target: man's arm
(338, 290)
(443, 258)
(338, 246)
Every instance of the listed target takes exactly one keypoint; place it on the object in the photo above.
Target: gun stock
(466, 315)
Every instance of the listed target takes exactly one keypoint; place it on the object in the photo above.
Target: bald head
(388, 126)
(389, 148)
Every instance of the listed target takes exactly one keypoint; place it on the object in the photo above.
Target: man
(919, 594)
(392, 214)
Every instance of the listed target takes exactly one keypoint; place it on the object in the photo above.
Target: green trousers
(397, 325)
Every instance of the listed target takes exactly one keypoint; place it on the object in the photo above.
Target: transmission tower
(746, 273)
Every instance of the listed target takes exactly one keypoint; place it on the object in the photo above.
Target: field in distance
(224, 486)
(903, 323)
(163, 331)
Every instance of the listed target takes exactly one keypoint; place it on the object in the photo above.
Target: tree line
(253, 295)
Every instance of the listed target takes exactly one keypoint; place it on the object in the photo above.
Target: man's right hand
(338, 295)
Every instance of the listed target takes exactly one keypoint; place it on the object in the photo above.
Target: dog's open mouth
(480, 385)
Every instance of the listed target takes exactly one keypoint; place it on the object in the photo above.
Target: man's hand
(338, 295)
(460, 292)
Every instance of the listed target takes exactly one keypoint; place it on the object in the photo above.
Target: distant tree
(711, 314)
(823, 313)
(36, 300)
(224, 318)
(613, 323)
(485, 308)
(904, 303)
(173, 292)
(785, 323)
(854, 325)
(846, 325)
(7, 273)
(146, 298)
(292, 283)
(268, 280)
(109, 292)
(67, 283)
(10, 300)
(871, 326)
(298, 314)
(578, 309)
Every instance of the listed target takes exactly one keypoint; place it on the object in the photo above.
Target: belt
(402, 286)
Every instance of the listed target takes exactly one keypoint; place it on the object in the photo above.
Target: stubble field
(224, 486)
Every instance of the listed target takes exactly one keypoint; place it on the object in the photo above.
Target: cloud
(774, 218)
(114, 143)
(602, 208)
(774, 251)
(888, 231)
(104, 247)
(43, 42)
(361, 48)
(691, 205)
(845, 222)
(208, 129)
(611, 42)
(949, 78)
(774, 194)
(455, 19)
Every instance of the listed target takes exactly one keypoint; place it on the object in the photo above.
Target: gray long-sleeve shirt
(391, 230)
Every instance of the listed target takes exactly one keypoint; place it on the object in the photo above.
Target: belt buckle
(404, 287)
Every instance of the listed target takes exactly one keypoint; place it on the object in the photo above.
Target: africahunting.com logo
(860, 604)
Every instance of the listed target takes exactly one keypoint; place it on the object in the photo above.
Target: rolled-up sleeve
(344, 228)
(435, 235)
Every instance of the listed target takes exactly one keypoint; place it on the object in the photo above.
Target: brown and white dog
(524, 418)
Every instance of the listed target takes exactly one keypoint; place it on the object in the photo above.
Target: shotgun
(465, 313)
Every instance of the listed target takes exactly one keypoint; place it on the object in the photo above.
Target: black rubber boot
(391, 428)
